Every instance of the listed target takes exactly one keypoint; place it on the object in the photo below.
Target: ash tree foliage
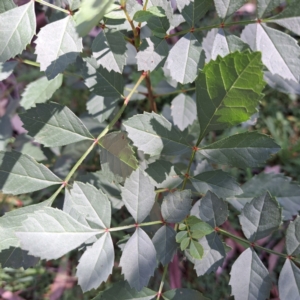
(152, 163)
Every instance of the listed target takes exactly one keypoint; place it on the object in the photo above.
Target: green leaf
(180, 236)
(289, 18)
(289, 281)
(182, 3)
(213, 257)
(286, 192)
(122, 291)
(221, 42)
(228, 7)
(152, 53)
(89, 15)
(6, 69)
(211, 209)
(292, 240)
(200, 229)
(118, 154)
(54, 125)
(249, 277)
(183, 111)
(96, 263)
(100, 81)
(20, 25)
(12, 222)
(260, 217)
(185, 59)
(20, 174)
(39, 91)
(248, 149)
(17, 258)
(57, 46)
(176, 206)
(138, 195)
(164, 174)
(167, 7)
(6, 5)
(136, 266)
(179, 294)
(101, 107)
(88, 206)
(219, 182)
(185, 243)
(50, 233)
(109, 49)
(154, 135)
(145, 15)
(165, 244)
(228, 90)
(268, 40)
(6, 131)
(266, 6)
(196, 250)
(194, 10)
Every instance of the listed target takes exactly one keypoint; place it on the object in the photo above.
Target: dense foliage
(176, 168)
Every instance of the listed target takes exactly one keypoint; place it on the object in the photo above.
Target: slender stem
(244, 241)
(135, 225)
(162, 282)
(53, 6)
(174, 92)
(145, 5)
(150, 93)
(187, 174)
(134, 30)
(30, 62)
(222, 25)
(106, 129)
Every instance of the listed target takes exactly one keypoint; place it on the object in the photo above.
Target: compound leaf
(54, 125)
(89, 15)
(292, 241)
(155, 135)
(20, 174)
(40, 91)
(248, 149)
(219, 182)
(109, 49)
(228, 90)
(183, 111)
(194, 10)
(6, 69)
(260, 217)
(179, 294)
(20, 25)
(89, 202)
(280, 51)
(122, 291)
(249, 277)
(96, 263)
(211, 209)
(100, 81)
(213, 257)
(164, 174)
(226, 8)
(138, 195)
(118, 154)
(289, 281)
(6, 5)
(165, 244)
(138, 260)
(286, 192)
(101, 107)
(289, 18)
(152, 53)
(57, 46)
(266, 6)
(185, 59)
(221, 42)
(50, 233)
(176, 206)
